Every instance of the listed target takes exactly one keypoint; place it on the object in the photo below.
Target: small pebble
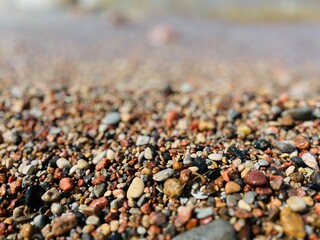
(310, 160)
(110, 154)
(93, 220)
(148, 153)
(142, 140)
(297, 204)
(82, 164)
(255, 178)
(111, 118)
(203, 212)
(173, 187)
(66, 184)
(232, 187)
(26, 230)
(215, 157)
(51, 195)
(163, 175)
(99, 157)
(286, 146)
(63, 163)
(136, 188)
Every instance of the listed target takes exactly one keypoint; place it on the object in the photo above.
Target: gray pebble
(163, 175)
(286, 146)
(99, 157)
(301, 113)
(249, 197)
(40, 221)
(99, 190)
(28, 170)
(203, 212)
(263, 163)
(142, 140)
(111, 118)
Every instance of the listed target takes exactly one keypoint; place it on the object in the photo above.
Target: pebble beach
(151, 143)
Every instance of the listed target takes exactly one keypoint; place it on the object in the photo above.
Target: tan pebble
(26, 230)
(308, 200)
(292, 224)
(136, 188)
(244, 205)
(244, 172)
(146, 171)
(104, 229)
(110, 154)
(173, 187)
(114, 225)
(146, 221)
(118, 193)
(185, 175)
(232, 187)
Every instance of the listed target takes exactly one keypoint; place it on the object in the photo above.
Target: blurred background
(216, 45)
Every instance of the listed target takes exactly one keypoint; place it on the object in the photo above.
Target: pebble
(63, 224)
(232, 187)
(249, 197)
(142, 140)
(163, 175)
(244, 205)
(136, 188)
(104, 229)
(298, 161)
(56, 209)
(261, 144)
(51, 195)
(187, 159)
(183, 216)
(217, 230)
(93, 220)
(286, 146)
(301, 113)
(40, 221)
(301, 142)
(33, 196)
(297, 204)
(310, 160)
(99, 157)
(111, 118)
(63, 163)
(148, 153)
(26, 230)
(141, 230)
(173, 187)
(28, 170)
(110, 155)
(99, 190)
(203, 212)
(83, 164)
(255, 178)
(263, 163)
(66, 184)
(215, 157)
(292, 224)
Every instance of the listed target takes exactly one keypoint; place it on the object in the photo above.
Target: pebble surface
(158, 165)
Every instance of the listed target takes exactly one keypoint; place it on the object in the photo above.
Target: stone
(310, 160)
(297, 204)
(111, 118)
(173, 188)
(110, 154)
(187, 159)
(40, 221)
(148, 153)
(142, 140)
(163, 175)
(263, 163)
(118, 193)
(183, 216)
(261, 144)
(26, 230)
(136, 188)
(244, 205)
(255, 178)
(298, 161)
(286, 146)
(215, 157)
(203, 212)
(217, 230)
(301, 142)
(56, 208)
(99, 202)
(28, 170)
(201, 164)
(104, 229)
(232, 187)
(33, 196)
(99, 157)
(63, 224)
(99, 190)
(249, 197)
(93, 220)
(66, 184)
(63, 163)
(83, 164)
(292, 224)
(51, 195)
(301, 113)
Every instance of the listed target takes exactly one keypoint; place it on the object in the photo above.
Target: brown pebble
(15, 186)
(255, 178)
(232, 187)
(183, 216)
(99, 202)
(63, 224)
(185, 175)
(173, 187)
(292, 224)
(66, 184)
(301, 142)
(26, 230)
(193, 222)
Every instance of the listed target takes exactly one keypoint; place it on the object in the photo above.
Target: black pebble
(86, 236)
(261, 144)
(201, 164)
(81, 218)
(33, 196)
(236, 152)
(115, 236)
(53, 162)
(298, 161)
(214, 174)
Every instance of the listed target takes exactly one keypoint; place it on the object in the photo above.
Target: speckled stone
(255, 178)
(63, 224)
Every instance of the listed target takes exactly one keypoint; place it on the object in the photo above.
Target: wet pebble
(261, 144)
(255, 178)
(27, 230)
(286, 146)
(301, 113)
(232, 187)
(51, 195)
(66, 184)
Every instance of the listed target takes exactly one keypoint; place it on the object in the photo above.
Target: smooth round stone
(187, 159)
(215, 157)
(136, 188)
(203, 212)
(56, 209)
(148, 153)
(104, 229)
(118, 193)
(286, 146)
(141, 230)
(297, 204)
(310, 160)
(111, 118)
(163, 175)
(63, 163)
(110, 154)
(26, 230)
(261, 144)
(292, 224)
(301, 113)
(232, 187)
(99, 190)
(33, 196)
(82, 164)
(28, 170)
(290, 170)
(249, 197)
(255, 178)
(51, 195)
(99, 157)
(244, 205)
(142, 140)
(93, 220)
(40, 221)
(263, 163)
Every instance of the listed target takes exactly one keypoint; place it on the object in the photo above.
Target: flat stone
(148, 153)
(286, 146)
(263, 163)
(249, 197)
(255, 178)
(111, 118)
(310, 160)
(28, 170)
(142, 140)
(136, 188)
(301, 113)
(261, 144)
(110, 154)
(183, 216)
(244, 205)
(216, 230)
(63, 163)
(63, 224)
(51, 195)
(163, 175)
(297, 204)
(215, 157)
(99, 157)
